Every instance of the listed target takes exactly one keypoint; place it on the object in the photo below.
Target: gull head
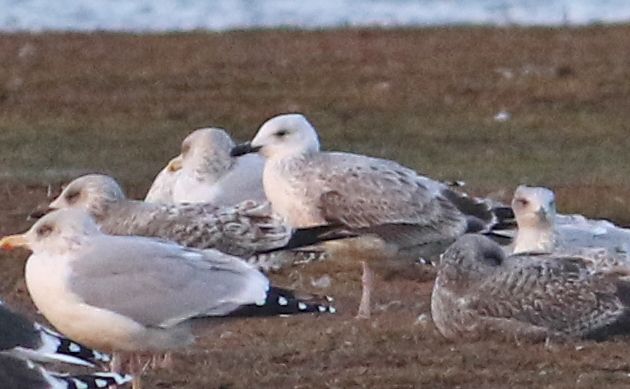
(471, 258)
(203, 149)
(534, 206)
(93, 193)
(280, 136)
(55, 233)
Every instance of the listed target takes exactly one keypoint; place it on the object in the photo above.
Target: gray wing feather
(160, 284)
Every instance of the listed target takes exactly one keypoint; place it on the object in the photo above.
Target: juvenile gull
(307, 187)
(479, 292)
(133, 294)
(161, 190)
(209, 174)
(540, 229)
(23, 341)
(247, 230)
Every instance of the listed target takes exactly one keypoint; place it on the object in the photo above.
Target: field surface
(493, 107)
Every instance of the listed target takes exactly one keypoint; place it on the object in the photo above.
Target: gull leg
(366, 282)
(115, 365)
(136, 370)
(167, 361)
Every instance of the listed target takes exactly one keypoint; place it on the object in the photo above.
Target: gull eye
(44, 230)
(522, 202)
(72, 196)
(282, 133)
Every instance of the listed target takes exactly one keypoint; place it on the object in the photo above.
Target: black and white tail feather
(56, 347)
(483, 215)
(26, 339)
(88, 381)
(25, 374)
(300, 248)
(281, 301)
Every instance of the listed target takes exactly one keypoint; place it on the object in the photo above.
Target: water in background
(182, 15)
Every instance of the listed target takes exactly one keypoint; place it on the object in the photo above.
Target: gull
(23, 341)
(24, 374)
(161, 190)
(135, 294)
(209, 174)
(479, 291)
(366, 195)
(248, 229)
(540, 229)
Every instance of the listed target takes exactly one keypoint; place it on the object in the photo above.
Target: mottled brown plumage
(242, 230)
(480, 292)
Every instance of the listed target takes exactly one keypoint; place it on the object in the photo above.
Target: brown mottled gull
(244, 230)
(130, 293)
(209, 174)
(480, 291)
(366, 195)
(541, 230)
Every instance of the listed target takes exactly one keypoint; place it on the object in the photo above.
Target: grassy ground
(72, 103)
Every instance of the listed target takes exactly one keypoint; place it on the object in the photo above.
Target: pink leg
(366, 281)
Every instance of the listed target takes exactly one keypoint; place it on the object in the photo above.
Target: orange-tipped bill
(10, 242)
(175, 164)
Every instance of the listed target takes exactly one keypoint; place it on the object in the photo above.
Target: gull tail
(275, 261)
(56, 347)
(24, 374)
(483, 215)
(303, 237)
(281, 301)
(88, 381)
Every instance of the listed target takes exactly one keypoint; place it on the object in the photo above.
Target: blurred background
(492, 92)
(219, 15)
(496, 93)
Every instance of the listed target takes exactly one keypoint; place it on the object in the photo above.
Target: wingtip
(93, 381)
(58, 347)
(281, 301)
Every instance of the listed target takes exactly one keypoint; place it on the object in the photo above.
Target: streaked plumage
(369, 196)
(245, 230)
(479, 291)
(210, 175)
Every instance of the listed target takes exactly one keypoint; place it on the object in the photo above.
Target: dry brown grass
(72, 103)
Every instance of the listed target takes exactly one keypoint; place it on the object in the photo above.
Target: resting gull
(23, 341)
(366, 195)
(248, 230)
(161, 191)
(209, 174)
(133, 294)
(480, 291)
(541, 230)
